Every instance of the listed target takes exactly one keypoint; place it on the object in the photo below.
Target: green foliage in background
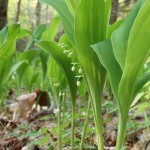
(8, 36)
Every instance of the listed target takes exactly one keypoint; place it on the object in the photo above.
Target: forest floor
(38, 131)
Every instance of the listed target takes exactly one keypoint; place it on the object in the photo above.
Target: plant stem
(97, 111)
(121, 138)
(85, 125)
(59, 125)
(72, 125)
(18, 86)
(99, 131)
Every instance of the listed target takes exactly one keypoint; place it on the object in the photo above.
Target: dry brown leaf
(24, 105)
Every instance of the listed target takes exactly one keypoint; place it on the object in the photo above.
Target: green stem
(121, 138)
(99, 130)
(18, 85)
(146, 119)
(72, 125)
(97, 111)
(85, 125)
(59, 125)
(98, 122)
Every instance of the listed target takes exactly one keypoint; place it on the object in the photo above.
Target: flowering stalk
(85, 126)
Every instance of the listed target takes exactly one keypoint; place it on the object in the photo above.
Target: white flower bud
(60, 94)
(70, 54)
(56, 84)
(62, 45)
(80, 71)
(65, 51)
(73, 68)
(13, 77)
(63, 94)
(59, 44)
(78, 83)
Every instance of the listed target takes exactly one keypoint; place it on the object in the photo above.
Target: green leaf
(82, 88)
(135, 58)
(105, 54)
(91, 26)
(142, 80)
(72, 4)
(35, 80)
(44, 58)
(113, 27)
(8, 42)
(3, 35)
(28, 55)
(141, 108)
(137, 98)
(24, 33)
(121, 35)
(16, 66)
(87, 32)
(64, 39)
(63, 61)
(67, 18)
(37, 33)
(28, 74)
(56, 77)
(52, 31)
(88, 24)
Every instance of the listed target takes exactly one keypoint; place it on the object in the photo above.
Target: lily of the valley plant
(122, 53)
(86, 22)
(124, 56)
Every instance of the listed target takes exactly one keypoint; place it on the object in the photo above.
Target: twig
(146, 145)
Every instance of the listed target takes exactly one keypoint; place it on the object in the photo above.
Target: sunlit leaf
(105, 54)
(51, 32)
(67, 18)
(63, 61)
(121, 35)
(8, 42)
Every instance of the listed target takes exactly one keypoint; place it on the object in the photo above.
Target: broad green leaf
(138, 51)
(55, 74)
(28, 74)
(3, 35)
(91, 26)
(28, 55)
(56, 78)
(113, 27)
(121, 35)
(23, 33)
(142, 80)
(72, 4)
(88, 24)
(67, 18)
(51, 32)
(137, 98)
(7, 49)
(105, 54)
(44, 58)
(141, 108)
(63, 61)
(35, 80)
(64, 39)
(37, 33)
(17, 65)
(82, 88)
